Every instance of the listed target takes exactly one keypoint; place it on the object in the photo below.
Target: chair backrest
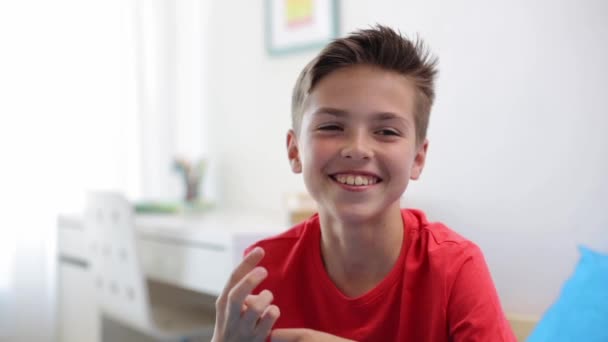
(120, 285)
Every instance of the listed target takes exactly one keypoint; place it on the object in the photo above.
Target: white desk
(192, 252)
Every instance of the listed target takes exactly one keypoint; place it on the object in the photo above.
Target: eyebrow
(330, 111)
(381, 116)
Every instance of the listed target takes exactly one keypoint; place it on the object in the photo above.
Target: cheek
(402, 166)
(317, 152)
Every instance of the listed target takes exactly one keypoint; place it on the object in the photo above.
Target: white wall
(171, 69)
(67, 124)
(249, 99)
(517, 156)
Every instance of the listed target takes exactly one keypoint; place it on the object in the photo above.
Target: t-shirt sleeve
(473, 309)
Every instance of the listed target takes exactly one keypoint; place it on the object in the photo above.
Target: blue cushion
(581, 311)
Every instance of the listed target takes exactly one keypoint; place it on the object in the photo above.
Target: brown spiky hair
(379, 46)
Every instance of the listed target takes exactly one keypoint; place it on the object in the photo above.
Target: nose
(357, 146)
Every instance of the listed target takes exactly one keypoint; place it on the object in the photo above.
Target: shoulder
(443, 247)
(281, 247)
(286, 238)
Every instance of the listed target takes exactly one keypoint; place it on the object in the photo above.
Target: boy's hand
(239, 315)
(304, 335)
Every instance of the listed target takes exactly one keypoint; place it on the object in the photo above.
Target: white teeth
(358, 180)
(350, 180)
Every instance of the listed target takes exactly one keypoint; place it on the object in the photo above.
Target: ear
(419, 160)
(293, 153)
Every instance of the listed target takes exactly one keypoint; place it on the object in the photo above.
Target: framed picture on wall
(296, 25)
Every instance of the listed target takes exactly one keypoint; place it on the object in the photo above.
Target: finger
(256, 305)
(287, 335)
(294, 335)
(267, 321)
(236, 296)
(245, 266)
(248, 263)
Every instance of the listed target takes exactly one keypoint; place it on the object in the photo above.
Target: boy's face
(356, 146)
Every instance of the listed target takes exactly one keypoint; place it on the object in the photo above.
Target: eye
(330, 127)
(388, 132)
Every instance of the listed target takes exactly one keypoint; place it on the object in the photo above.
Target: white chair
(122, 290)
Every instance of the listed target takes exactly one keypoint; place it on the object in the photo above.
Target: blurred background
(105, 95)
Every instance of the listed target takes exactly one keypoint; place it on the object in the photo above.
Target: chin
(355, 213)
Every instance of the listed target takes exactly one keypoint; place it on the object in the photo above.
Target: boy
(362, 268)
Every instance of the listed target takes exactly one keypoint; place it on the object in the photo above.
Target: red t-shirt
(440, 288)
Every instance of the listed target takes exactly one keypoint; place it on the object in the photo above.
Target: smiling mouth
(355, 180)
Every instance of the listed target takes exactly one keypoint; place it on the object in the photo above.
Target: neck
(358, 255)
